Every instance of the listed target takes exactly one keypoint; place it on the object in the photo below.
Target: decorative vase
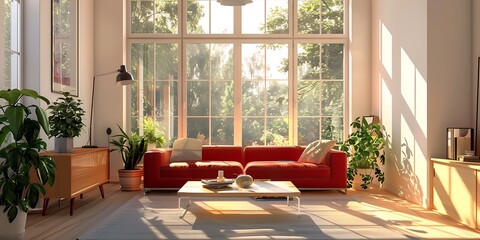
(63, 145)
(130, 180)
(244, 181)
(15, 229)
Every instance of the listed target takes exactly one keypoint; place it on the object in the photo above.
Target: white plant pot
(14, 230)
(357, 181)
(63, 145)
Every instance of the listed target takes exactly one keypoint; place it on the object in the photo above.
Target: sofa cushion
(271, 153)
(286, 170)
(201, 169)
(316, 151)
(186, 149)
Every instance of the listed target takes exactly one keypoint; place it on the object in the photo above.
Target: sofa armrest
(337, 161)
(152, 162)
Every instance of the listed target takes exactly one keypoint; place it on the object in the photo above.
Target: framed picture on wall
(65, 46)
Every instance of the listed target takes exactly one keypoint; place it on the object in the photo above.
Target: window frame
(237, 38)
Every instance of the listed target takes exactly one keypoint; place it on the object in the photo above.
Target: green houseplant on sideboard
(132, 148)
(19, 154)
(365, 150)
(65, 121)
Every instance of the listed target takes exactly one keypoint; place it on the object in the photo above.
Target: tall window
(269, 73)
(10, 43)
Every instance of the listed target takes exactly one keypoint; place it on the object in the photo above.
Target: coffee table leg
(298, 204)
(180, 212)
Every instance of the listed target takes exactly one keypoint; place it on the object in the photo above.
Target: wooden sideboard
(456, 189)
(78, 172)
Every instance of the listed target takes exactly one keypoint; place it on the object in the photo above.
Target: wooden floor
(92, 209)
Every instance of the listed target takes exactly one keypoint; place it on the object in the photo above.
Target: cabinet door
(454, 192)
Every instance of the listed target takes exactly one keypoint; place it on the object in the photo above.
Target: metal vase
(63, 145)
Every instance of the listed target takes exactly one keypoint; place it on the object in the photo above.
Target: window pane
(209, 17)
(277, 132)
(166, 16)
(253, 102)
(332, 61)
(222, 98)
(308, 98)
(222, 131)
(142, 12)
(332, 98)
(198, 128)
(332, 128)
(308, 130)
(255, 22)
(252, 131)
(325, 17)
(277, 98)
(198, 98)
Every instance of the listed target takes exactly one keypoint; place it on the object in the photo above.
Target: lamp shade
(234, 2)
(124, 77)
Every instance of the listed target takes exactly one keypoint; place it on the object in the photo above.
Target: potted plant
(65, 121)
(364, 148)
(131, 148)
(152, 133)
(19, 154)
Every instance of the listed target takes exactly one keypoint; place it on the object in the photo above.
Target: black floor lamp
(123, 78)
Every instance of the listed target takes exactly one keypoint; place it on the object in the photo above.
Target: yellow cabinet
(455, 187)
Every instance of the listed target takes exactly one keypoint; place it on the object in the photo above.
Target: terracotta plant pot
(130, 180)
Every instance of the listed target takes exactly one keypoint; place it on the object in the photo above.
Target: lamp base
(89, 146)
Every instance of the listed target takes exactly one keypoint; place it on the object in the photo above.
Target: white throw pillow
(186, 149)
(316, 151)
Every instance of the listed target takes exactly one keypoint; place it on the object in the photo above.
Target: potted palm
(365, 151)
(152, 133)
(65, 121)
(132, 148)
(19, 154)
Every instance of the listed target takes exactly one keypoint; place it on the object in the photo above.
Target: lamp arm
(103, 74)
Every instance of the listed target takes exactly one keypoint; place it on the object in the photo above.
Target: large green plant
(66, 117)
(364, 148)
(152, 133)
(21, 144)
(132, 148)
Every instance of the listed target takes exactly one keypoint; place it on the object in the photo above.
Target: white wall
(425, 84)
(37, 59)
(360, 85)
(110, 53)
(475, 56)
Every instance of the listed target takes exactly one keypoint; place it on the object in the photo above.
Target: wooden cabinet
(455, 188)
(78, 172)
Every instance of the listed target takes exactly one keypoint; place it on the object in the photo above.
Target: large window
(10, 43)
(268, 73)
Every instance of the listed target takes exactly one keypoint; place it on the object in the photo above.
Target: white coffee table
(258, 189)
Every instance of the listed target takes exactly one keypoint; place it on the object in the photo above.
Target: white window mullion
(237, 93)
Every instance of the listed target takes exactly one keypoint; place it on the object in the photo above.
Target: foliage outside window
(10, 43)
(264, 80)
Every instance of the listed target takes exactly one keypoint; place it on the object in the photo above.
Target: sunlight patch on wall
(387, 106)
(421, 101)
(407, 80)
(386, 51)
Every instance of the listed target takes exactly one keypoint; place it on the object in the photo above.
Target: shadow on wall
(407, 183)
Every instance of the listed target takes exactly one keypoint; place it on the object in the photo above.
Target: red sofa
(261, 162)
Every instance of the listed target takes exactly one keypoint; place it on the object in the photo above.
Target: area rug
(323, 216)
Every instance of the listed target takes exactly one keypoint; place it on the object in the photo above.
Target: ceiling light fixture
(234, 2)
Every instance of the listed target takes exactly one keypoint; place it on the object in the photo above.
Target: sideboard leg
(101, 191)
(71, 205)
(45, 206)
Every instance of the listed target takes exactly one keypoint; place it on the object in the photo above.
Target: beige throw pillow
(186, 149)
(317, 151)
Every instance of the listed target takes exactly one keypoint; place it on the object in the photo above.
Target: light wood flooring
(92, 210)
